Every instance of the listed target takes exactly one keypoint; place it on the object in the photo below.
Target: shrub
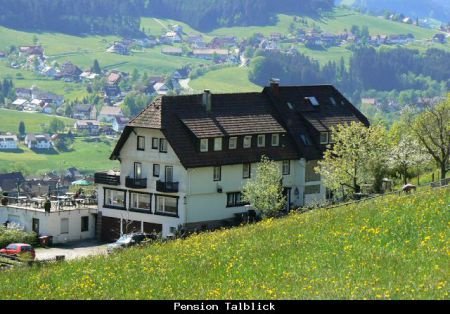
(14, 235)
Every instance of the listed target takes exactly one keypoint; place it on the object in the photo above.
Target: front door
(169, 174)
(35, 225)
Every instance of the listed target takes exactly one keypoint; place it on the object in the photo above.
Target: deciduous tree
(265, 191)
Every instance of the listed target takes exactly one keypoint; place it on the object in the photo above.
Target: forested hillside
(206, 15)
(72, 17)
(381, 70)
(122, 17)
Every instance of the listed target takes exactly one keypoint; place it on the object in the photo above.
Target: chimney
(275, 86)
(206, 101)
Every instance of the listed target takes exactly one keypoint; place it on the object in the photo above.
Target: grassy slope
(392, 248)
(33, 163)
(38, 163)
(227, 80)
(9, 121)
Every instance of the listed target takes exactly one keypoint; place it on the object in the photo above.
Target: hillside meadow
(86, 155)
(396, 247)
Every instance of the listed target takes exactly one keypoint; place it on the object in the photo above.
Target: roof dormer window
(247, 141)
(204, 145)
(323, 137)
(217, 144)
(262, 140)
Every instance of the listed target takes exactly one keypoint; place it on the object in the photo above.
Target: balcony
(136, 183)
(167, 187)
(106, 178)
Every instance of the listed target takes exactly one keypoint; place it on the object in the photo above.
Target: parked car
(20, 250)
(131, 239)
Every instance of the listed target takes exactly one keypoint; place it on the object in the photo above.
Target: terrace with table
(68, 201)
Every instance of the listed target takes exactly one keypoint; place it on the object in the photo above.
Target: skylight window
(333, 101)
(313, 100)
(306, 140)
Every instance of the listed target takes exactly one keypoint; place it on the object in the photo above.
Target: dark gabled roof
(302, 118)
(289, 111)
(8, 181)
(184, 120)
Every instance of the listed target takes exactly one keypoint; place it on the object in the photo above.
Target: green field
(86, 156)
(227, 80)
(10, 119)
(391, 248)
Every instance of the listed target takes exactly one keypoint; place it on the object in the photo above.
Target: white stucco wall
(50, 223)
(129, 155)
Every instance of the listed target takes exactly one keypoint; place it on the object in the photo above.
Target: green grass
(10, 119)
(391, 248)
(227, 80)
(31, 162)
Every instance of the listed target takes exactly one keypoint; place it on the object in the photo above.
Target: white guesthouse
(185, 159)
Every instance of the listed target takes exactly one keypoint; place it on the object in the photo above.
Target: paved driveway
(72, 250)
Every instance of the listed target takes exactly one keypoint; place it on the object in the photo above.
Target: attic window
(323, 137)
(306, 140)
(204, 145)
(312, 100)
(333, 101)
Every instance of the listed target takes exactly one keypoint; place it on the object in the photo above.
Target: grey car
(128, 240)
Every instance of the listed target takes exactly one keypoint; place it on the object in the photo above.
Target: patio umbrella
(81, 182)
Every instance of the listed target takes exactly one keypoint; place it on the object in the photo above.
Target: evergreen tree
(96, 67)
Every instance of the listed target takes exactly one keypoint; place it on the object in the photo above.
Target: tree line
(123, 17)
(72, 17)
(382, 70)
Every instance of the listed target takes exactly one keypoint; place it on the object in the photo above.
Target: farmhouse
(8, 142)
(185, 159)
(109, 113)
(92, 127)
(84, 112)
(41, 141)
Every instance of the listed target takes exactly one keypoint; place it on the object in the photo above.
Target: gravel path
(72, 250)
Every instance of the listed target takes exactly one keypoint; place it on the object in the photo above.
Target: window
(218, 144)
(246, 170)
(275, 139)
(312, 100)
(286, 167)
(140, 143)
(217, 173)
(261, 140)
(312, 189)
(333, 101)
(330, 137)
(137, 170)
(156, 170)
(155, 143)
(162, 145)
(233, 143)
(247, 141)
(64, 225)
(234, 199)
(84, 223)
(166, 205)
(140, 201)
(310, 174)
(323, 137)
(306, 140)
(204, 145)
(114, 199)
